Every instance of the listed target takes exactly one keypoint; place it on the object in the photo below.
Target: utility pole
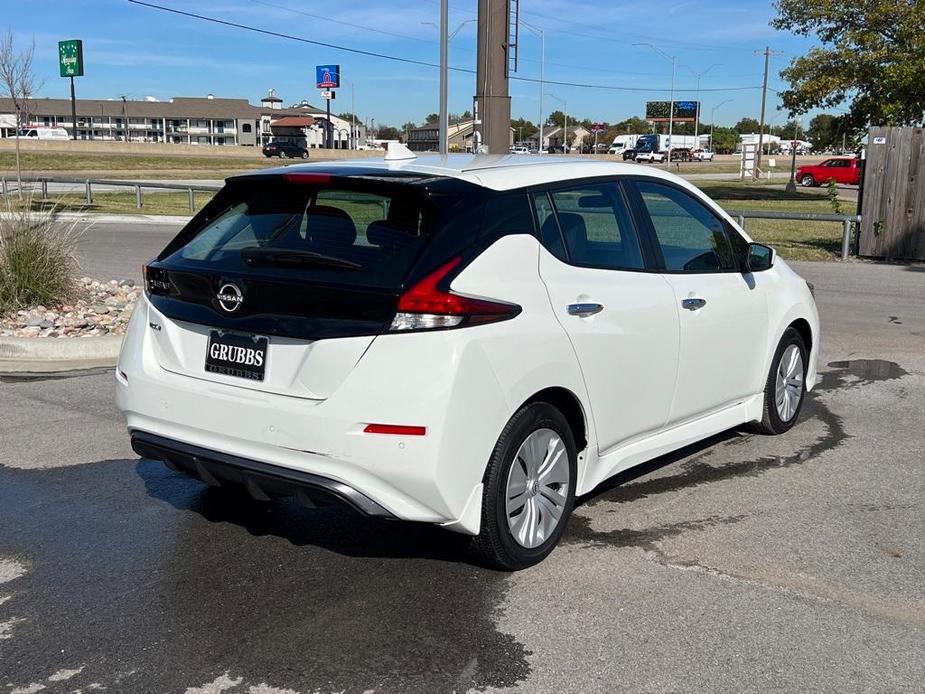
(764, 97)
(492, 99)
(792, 183)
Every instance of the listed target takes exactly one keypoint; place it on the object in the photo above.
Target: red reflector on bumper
(396, 429)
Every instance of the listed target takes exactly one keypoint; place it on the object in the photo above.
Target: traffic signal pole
(492, 99)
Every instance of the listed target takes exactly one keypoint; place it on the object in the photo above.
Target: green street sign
(71, 58)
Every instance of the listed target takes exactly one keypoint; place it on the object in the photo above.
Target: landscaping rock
(99, 308)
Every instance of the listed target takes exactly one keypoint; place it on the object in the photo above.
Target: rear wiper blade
(284, 256)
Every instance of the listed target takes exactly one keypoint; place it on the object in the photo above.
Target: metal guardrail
(740, 215)
(846, 221)
(88, 183)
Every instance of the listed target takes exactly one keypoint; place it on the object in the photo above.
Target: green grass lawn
(117, 203)
(129, 165)
(794, 240)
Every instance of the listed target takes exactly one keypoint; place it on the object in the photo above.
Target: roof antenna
(396, 151)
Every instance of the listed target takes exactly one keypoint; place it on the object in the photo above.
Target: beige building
(181, 120)
(459, 137)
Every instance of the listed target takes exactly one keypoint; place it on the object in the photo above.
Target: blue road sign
(327, 76)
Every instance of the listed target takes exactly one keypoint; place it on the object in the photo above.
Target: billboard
(327, 76)
(657, 111)
(71, 58)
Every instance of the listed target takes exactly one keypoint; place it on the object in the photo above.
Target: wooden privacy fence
(893, 195)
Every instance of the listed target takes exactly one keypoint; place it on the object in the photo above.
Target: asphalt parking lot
(743, 564)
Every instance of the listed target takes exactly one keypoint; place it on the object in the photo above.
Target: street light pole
(699, 76)
(444, 75)
(445, 37)
(674, 62)
(565, 129)
(712, 121)
(542, 34)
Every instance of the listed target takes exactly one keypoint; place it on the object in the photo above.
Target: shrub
(37, 261)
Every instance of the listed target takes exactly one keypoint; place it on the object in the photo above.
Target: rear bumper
(261, 480)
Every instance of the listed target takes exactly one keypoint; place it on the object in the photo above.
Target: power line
(363, 27)
(409, 61)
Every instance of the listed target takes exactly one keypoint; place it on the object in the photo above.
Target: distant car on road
(520, 149)
(629, 154)
(285, 149)
(845, 170)
(702, 155)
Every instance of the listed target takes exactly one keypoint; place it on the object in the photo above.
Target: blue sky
(137, 51)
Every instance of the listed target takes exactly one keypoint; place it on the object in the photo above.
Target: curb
(118, 218)
(47, 354)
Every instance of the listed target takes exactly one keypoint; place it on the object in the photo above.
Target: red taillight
(395, 429)
(444, 309)
(307, 177)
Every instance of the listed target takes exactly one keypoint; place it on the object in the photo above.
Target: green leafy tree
(872, 55)
(557, 118)
(431, 119)
(724, 140)
(824, 132)
(523, 129)
(746, 126)
(387, 132)
(786, 132)
(632, 126)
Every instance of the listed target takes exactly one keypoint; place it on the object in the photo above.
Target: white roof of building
(498, 171)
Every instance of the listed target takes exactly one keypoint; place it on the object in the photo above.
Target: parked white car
(520, 149)
(465, 341)
(651, 157)
(702, 155)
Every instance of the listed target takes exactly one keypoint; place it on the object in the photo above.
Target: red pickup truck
(841, 169)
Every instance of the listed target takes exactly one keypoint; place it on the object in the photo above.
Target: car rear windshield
(364, 235)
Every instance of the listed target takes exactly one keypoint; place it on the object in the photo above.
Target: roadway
(746, 563)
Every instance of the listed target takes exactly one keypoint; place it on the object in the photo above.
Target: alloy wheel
(789, 384)
(537, 488)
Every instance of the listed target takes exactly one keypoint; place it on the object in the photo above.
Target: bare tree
(17, 81)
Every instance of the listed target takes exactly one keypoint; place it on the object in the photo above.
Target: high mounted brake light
(307, 177)
(429, 305)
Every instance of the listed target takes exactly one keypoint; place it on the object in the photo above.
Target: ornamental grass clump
(38, 266)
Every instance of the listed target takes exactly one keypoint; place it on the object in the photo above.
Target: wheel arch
(801, 325)
(571, 408)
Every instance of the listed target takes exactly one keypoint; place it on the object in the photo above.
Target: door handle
(693, 304)
(584, 310)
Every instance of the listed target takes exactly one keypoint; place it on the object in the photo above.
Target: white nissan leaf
(468, 341)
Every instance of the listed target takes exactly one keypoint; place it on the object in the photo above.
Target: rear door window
(324, 232)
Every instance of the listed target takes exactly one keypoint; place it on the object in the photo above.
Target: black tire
(771, 422)
(495, 545)
(305, 155)
(807, 181)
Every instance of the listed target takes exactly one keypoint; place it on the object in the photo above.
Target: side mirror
(759, 257)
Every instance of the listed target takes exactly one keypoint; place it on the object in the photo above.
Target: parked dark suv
(285, 149)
